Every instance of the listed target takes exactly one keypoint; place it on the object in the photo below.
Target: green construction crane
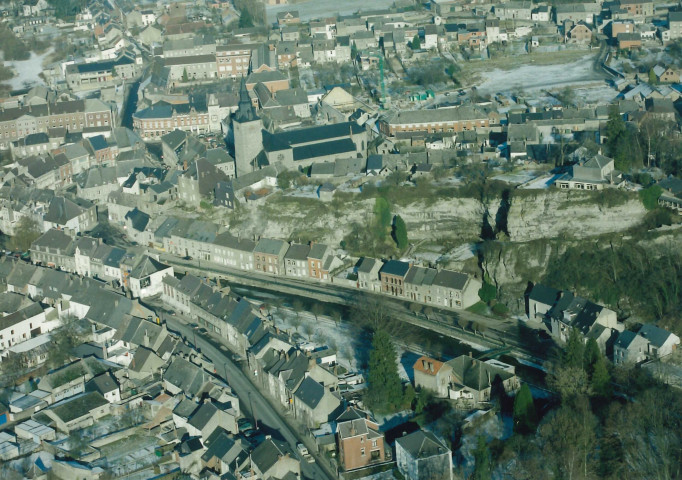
(384, 99)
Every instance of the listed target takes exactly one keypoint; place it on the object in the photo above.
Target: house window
(362, 452)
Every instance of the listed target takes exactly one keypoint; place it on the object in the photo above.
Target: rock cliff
(558, 214)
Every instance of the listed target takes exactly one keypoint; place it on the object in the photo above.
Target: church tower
(247, 129)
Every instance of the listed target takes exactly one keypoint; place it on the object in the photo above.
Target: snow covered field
(544, 181)
(529, 77)
(28, 70)
(326, 8)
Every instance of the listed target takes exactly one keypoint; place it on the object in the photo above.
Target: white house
(146, 278)
(25, 324)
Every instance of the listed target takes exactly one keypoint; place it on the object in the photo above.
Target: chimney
(105, 354)
(146, 338)
(470, 354)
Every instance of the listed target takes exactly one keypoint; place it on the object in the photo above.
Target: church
(255, 147)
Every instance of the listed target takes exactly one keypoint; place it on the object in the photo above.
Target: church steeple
(245, 112)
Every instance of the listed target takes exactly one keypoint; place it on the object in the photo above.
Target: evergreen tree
(592, 354)
(652, 77)
(385, 391)
(615, 126)
(400, 232)
(185, 77)
(574, 353)
(601, 379)
(482, 468)
(525, 416)
(416, 43)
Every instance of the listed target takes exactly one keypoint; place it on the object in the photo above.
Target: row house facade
(73, 115)
(234, 60)
(442, 120)
(162, 118)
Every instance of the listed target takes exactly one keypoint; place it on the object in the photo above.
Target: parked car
(302, 449)
(244, 424)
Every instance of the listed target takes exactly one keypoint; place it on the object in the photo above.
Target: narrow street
(250, 398)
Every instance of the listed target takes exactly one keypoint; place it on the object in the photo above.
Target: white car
(302, 449)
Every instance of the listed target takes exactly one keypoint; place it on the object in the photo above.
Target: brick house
(392, 276)
(317, 258)
(269, 254)
(359, 441)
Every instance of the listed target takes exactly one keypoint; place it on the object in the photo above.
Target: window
(362, 452)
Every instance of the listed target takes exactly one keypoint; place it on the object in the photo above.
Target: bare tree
(317, 310)
(337, 316)
(297, 306)
(462, 322)
(308, 329)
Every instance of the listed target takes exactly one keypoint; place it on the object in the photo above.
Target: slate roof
(103, 383)
(53, 238)
(587, 317)
(270, 246)
(226, 447)
(395, 267)
(23, 314)
(266, 455)
(146, 267)
(61, 210)
(138, 219)
(317, 251)
(333, 147)
(656, 336)
(366, 264)
(475, 374)
(292, 138)
(297, 252)
(450, 279)
(421, 276)
(310, 393)
(186, 376)
(421, 444)
(203, 416)
(543, 294)
(226, 239)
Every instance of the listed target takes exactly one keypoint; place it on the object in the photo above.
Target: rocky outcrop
(446, 219)
(558, 214)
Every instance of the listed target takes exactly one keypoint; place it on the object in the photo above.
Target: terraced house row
(209, 244)
(88, 116)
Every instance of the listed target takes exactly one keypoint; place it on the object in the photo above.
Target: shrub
(649, 196)
(500, 309)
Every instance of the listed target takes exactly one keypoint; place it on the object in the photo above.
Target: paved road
(248, 394)
(499, 332)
